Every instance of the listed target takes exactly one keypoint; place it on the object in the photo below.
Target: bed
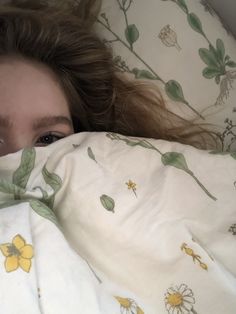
(106, 223)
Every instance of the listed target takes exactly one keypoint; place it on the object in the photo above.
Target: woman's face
(33, 108)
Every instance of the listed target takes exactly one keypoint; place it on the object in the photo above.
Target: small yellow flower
(129, 306)
(18, 254)
(191, 253)
(132, 186)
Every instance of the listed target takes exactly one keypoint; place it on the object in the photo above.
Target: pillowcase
(182, 47)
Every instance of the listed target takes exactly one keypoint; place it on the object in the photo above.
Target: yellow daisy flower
(18, 254)
(129, 306)
(180, 300)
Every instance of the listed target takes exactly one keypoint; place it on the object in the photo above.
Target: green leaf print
(183, 5)
(231, 64)
(144, 74)
(107, 202)
(209, 58)
(210, 73)
(145, 144)
(214, 58)
(216, 54)
(54, 181)
(195, 23)
(174, 91)
(22, 174)
(176, 160)
(44, 211)
(91, 154)
(220, 49)
(10, 188)
(131, 34)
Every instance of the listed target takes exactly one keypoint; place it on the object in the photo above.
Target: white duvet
(103, 223)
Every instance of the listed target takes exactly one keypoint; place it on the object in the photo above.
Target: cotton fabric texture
(104, 223)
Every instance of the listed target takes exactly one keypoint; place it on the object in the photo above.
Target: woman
(58, 77)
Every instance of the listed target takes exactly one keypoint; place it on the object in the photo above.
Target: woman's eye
(48, 139)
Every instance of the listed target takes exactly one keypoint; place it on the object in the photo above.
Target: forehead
(29, 90)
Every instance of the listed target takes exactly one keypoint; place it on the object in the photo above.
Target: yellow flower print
(180, 300)
(129, 306)
(190, 252)
(18, 254)
(132, 186)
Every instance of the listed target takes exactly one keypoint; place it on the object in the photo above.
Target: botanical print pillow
(181, 46)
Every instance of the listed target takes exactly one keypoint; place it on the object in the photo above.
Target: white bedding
(149, 227)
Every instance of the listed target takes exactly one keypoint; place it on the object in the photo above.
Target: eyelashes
(8, 144)
(48, 139)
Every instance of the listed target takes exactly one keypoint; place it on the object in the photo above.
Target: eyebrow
(39, 123)
(51, 121)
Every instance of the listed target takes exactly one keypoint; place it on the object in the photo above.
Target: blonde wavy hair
(62, 36)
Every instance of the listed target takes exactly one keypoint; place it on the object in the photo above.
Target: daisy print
(180, 300)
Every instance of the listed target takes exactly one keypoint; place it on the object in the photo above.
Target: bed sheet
(104, 223)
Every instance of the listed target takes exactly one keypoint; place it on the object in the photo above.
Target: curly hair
(62, 36)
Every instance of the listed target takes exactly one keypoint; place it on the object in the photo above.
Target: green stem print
(22, 173)
(43, 210)
(216, 60)
(55, 182)
(172, 87)
(173, 159)
(20, 178)
(95, 275)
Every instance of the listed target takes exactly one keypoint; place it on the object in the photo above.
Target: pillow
(183, 48)
(154, 217)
